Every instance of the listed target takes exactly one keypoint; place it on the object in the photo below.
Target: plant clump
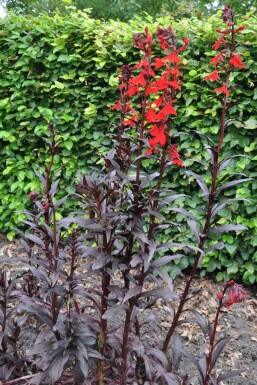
(94, 277)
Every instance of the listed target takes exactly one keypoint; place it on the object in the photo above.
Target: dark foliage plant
(87, 296)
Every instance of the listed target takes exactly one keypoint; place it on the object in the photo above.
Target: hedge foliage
(64, 69)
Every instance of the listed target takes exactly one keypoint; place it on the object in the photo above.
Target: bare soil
(240, 321)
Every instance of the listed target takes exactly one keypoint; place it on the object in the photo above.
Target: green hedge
(64, 69)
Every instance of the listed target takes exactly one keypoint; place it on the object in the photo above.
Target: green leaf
(250, 124)
(220, 276)
(68, 144)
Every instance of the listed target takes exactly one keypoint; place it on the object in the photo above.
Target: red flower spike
(223, 89)
(213, 76)
(236, 62)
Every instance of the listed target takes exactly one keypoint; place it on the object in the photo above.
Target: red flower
(151, 116)
(159, 136)
(236, 294)
(139, 80)
(175, 85)
(219, 295)
(213, 76)
(174, 155)
(116, 106)
(239, 28)
(132, 91)
(223, 89)
(167, 110)
(143, 63)
(158, 63)
(236, 61)
(183, 47)
(216, 59)
(216, 45)
(162, 84)
(158, 101)
(173, 58)
(178, 162)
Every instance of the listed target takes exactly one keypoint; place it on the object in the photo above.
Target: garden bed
(239, 321)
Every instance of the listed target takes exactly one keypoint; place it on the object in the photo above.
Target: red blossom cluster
(233, 293)
(154, 92)
(227, 52)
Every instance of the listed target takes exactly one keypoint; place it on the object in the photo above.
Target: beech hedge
(64, 69)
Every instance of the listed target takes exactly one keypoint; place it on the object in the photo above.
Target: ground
(240, 321)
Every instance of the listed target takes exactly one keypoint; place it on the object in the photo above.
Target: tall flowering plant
(152, 92)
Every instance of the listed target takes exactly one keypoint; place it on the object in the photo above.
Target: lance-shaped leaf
(159, 293)
(201, 184)
(161, 356)
(217, 246)
(146, 180)
(193, 227)
(133, 292)
(219, 206)
(220, 345)
(54, 186)
(183, 246)
(184, 212)
(227, 375)
(164, 202)
(176, 351)
(231, 183)
(224, 163)
(35, 239)
(171, 379)
(112, 312)
(227, 228)
(164, 260)
(202, 322)
(41, 178)
(148, 257)
(196, 363)
(41, 275)
(59, 202)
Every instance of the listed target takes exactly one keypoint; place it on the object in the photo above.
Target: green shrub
(64, 69)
